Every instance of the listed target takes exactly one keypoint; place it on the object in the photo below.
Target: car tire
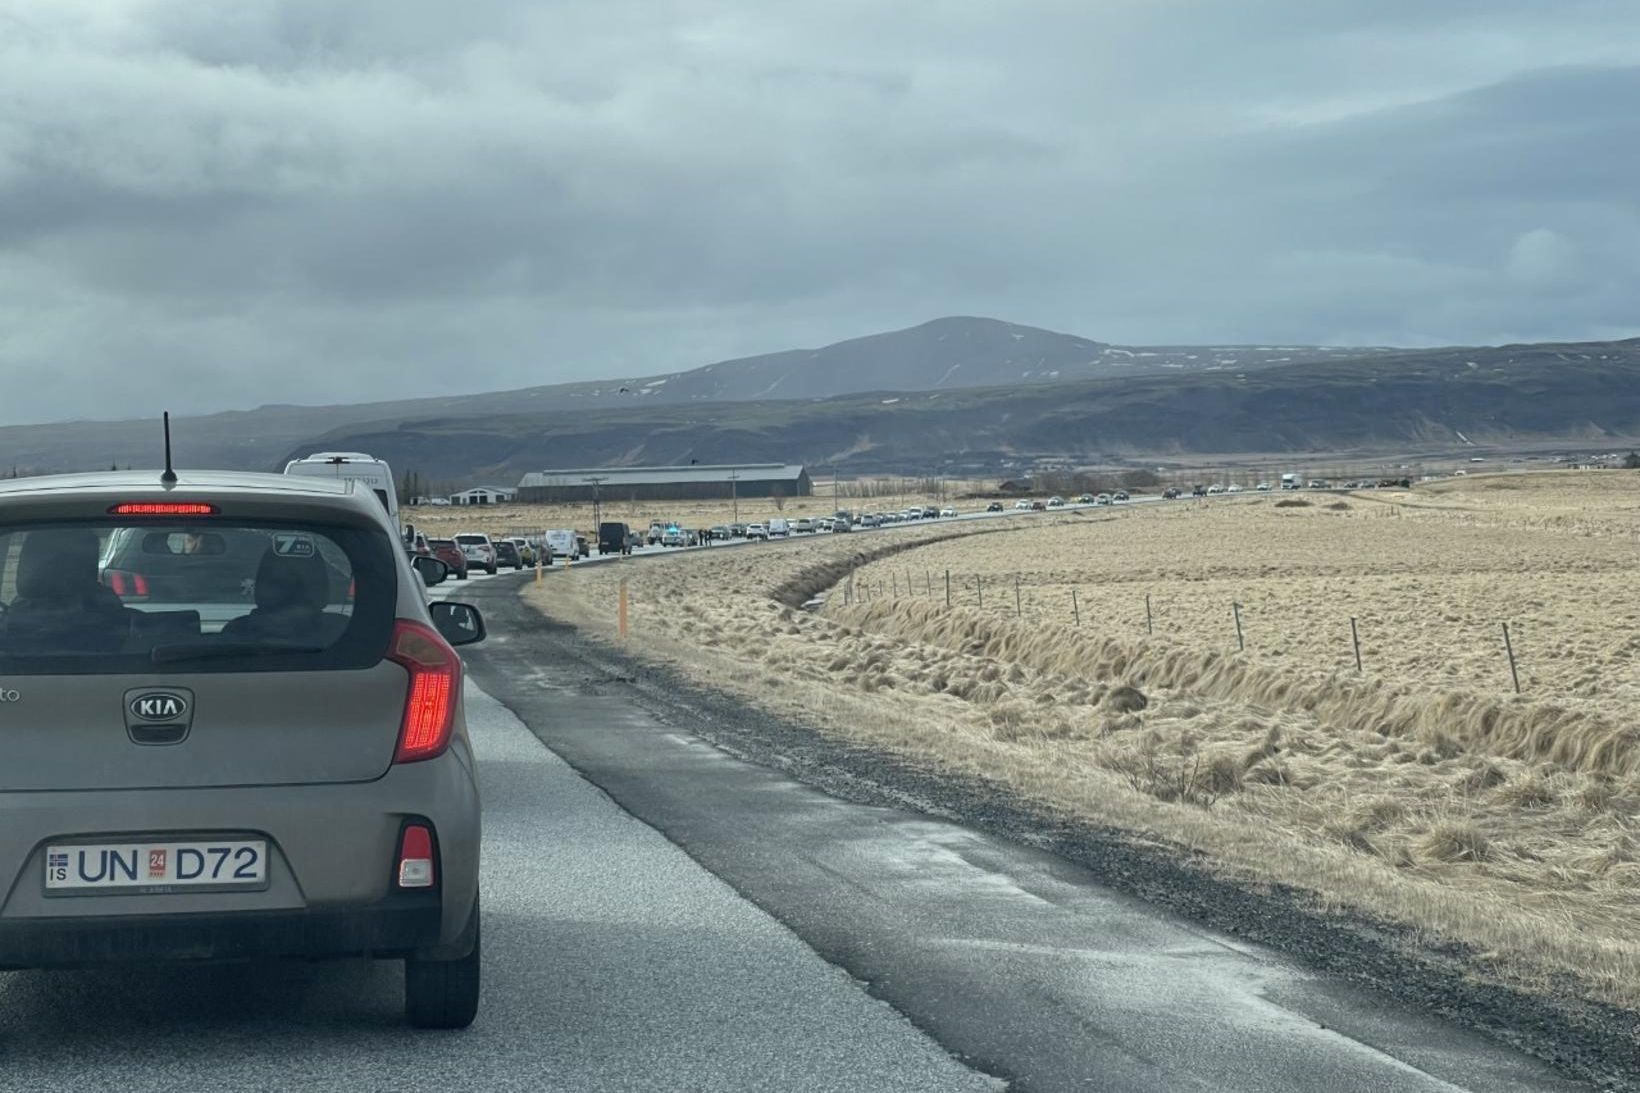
(462, 576)
(444, 993)
(490, 569)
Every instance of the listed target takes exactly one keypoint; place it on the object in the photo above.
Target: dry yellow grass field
(1421, 791)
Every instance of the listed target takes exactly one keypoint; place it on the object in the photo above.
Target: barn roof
(616, 477)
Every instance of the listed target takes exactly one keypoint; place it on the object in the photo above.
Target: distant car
(1215, 488)
(930, 512)
(1171, 493)
(1085, 499)
(1234, 487)
(948, 513)
(994, 506)
(418, 545)
(1319, 484)
(720, 533)
(803, 525)
(446, 551)
(526, 552)
(674, 536)
(737, 531)
(1038, 506)
(779, 527)
(583, 549)
(614, 537)
(1056, 502)
(1102, 499)
(841, 525)
(1263, 487)
(1198, 491)
(1023, 505)
(479, 550)
(506, 553)
(1120, 495)
(757, 531)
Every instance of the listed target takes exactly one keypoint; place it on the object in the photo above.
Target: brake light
(435, 684)
(124, 584)
(416, 868)
(163, 508)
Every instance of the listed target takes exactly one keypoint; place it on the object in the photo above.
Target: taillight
(124, 584)
(416, 868)
(435, 685)
(163, 508)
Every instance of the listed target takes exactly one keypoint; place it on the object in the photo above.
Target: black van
(614, 538)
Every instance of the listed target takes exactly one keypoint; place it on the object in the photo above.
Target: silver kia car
(233, 729)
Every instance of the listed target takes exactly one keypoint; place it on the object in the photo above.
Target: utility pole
(734, 494)
(597, 499)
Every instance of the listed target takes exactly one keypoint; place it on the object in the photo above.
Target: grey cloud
(297, 200)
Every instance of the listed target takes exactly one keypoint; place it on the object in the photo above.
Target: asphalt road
(612, 962)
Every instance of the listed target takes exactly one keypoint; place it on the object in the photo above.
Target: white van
(354, 465)
(779, 527)
(561, 542)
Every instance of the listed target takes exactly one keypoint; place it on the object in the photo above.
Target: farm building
(667, 483)
(482, 495)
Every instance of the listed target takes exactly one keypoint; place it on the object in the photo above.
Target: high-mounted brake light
(163, 508)
(435, 684)
(416, 866)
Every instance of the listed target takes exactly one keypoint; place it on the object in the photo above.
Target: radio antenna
(169, 478)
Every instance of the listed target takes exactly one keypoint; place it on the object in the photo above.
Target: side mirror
(459, 623)
(432, 570)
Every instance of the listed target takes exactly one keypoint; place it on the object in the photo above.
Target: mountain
(1384, 401)
(945, 354)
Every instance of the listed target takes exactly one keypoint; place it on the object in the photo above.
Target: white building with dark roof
(689, 483)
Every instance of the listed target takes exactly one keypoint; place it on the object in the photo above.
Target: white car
(1263, 487)
(478, 550)
(1215, 488)
(948, 512)
(1234, 487)
(757, 531)
(1023, 505)
(1056, 502)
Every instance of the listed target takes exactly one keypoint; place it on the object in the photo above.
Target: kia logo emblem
(159, 706)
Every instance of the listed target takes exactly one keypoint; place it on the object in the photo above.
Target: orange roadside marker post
(620, 612)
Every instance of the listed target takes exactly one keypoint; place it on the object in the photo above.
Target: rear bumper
(397, 926)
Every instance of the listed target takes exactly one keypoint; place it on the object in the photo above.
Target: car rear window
(113, 598)
(472, 539)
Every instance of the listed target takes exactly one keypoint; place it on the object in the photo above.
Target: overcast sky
(208, 205)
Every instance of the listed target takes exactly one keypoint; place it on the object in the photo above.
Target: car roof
(143, 484)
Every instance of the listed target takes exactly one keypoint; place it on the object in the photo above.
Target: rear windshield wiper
(209, 650)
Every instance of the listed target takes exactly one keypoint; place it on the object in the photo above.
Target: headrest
(57, 563)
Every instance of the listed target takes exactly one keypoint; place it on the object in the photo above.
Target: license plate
(191, 865)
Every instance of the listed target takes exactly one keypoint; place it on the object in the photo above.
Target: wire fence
(962, 591)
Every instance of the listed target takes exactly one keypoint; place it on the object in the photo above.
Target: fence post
(894, 578)
(979, 589)
(1509, 648)
(1236, 610)
(620, 612)
(1355, 636)
(1149, 629)
(1019, 607)
(1076, 611)
(948, 588)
